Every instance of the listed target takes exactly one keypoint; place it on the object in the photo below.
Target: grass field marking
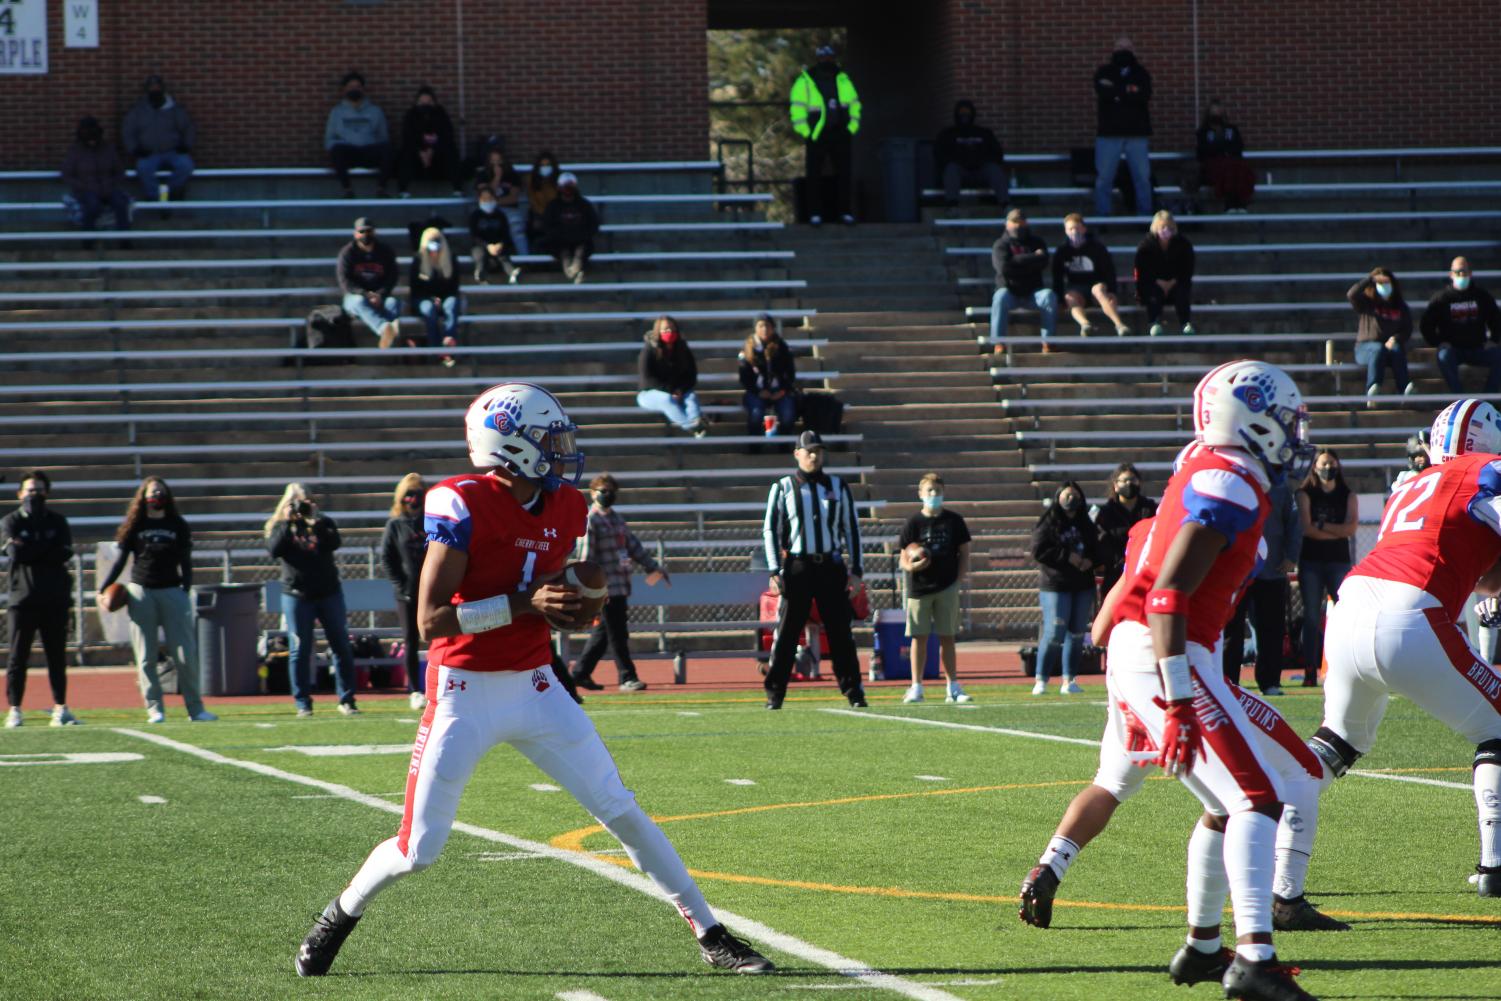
(627, 877)
(151, 800)
(69, 758)
(964, 726)
(1414, 779)
(579, 996)
(342, 750)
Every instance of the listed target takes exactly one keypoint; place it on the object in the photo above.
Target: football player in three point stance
(498, 538)
(1167, 691)
(1397, 626)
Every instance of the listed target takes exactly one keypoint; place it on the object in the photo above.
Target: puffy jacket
(808, 104)
(673, 371)
(150, 130)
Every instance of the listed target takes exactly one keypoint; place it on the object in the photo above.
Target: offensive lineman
(1397, 625)
(496, 537)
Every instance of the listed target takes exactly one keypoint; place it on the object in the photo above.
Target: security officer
(810, 515)
(825, 111)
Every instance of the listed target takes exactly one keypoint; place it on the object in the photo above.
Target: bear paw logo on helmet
(505, 415)
(1257, 393)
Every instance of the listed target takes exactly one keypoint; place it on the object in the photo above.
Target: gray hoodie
(149, 130)
(362, 124)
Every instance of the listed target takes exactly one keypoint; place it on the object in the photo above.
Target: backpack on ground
(823, 412)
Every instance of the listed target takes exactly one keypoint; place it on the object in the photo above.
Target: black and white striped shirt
(808, 515)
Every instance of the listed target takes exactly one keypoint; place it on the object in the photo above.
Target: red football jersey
(1218, 489)
(509, 548)
(1441, 530)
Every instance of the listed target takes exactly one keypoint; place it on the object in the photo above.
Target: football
(917, 556)
(113, 598)
(593, 588)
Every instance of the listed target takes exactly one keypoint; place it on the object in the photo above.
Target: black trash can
(899, 179)
(228, 623)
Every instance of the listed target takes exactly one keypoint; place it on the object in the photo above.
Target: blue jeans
(1065, 620)
(1317, 580)
(516, 220)
(1005, 300)
(92, 206)
(1108, 151)
(356, 305)
(685, 415)
(1376, 356)
(756, 408)
(441, 321)
(300, 613)
(147, 167)
(1489, 355)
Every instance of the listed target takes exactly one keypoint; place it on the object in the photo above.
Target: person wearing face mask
(39, 544)
(1220, 149)
(497, 174)
(95, 180)
(403, 546)
(769, 377)
(491, 239)
(367, 276)
(1065, 544)
(1329, 512)
(159, 133)
(1456, 322)
(568, 228)
(428, 148)
(934, 586)
(1385, 326)
(1123, 91)
(1020, 259)
(541, 189)
(1164, 273)
(1124, 508)
(155, 536)
(356, 135)
(435, 290)
(668, 374)
(1417, 458)
(611, 544)
(1083, 270)
(969, 153)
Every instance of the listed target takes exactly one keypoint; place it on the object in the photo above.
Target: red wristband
(1162, 601)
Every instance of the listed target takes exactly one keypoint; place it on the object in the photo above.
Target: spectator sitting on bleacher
(159, 133)
(367, 274)
(769, 376)
(966, 152)
(668, 374)
(1020, 259)
(1065, 545)
(1385, 326)
(95, 179)
(435, 290)
(356, 135)
(568, 228)
(490, 239)
(1123, 91)
(1082, 269)
(1456, 322)
(403, 546)
(428, 149)
(500, 177)
(541, 189)
(1220, 149)
(1165, 272)
(1124, 508)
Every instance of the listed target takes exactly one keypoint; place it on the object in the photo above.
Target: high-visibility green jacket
(806, 101)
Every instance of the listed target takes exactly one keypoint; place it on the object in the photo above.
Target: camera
(304, 509)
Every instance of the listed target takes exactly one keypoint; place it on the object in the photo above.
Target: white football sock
(1250, 850)
(1488, 803)
(1256, 952)
(1206, 944)
(654, 855)
(385, 866)
(1295, 833)
(1060, 854)
(1207, 882)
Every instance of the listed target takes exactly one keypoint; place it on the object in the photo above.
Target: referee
(809, 516)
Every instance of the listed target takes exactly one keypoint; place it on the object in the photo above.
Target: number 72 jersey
(1441, 530)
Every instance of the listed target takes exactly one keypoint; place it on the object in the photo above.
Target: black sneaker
(1489, 883)
(1038, 890)
(720, 948)
(1298, 914)
(1267, 980)
(857, 700)
(772, 702)
(586, 682)
(322, 944)
(1190, 966)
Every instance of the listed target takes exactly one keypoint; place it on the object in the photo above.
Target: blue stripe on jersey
(453, 533)
(1483, 506)
(1224, 516)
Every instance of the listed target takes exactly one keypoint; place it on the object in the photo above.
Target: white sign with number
(23, 37)
(80, 24)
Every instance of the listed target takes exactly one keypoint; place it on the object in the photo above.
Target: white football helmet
(524, 429)
(1462, 427)
(1255, 406)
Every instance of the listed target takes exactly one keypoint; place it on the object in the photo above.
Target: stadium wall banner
(23, 37)
(80, 24)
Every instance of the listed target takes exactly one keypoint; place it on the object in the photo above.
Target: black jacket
(569, 223)
(1460, 318)
(306, 552)
(969, 145)
(372, 270)
(434, 286)
(1054, 537)
(39, 550)
(1114, 521)
(489, 227)
(402, 549)
(777, 373)
(1154, 262)
(1083, 266)
(425, 127)
(671, 371)
(1123, 89)
(1222, 139)
(1016, 264)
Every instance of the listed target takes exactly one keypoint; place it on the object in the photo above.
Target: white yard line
(579, 996)
(1413, 779)
(151, 800)
(792, 946)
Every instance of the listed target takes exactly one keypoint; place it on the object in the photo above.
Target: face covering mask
(1417, 463)
(1072, 504)
(433, 246)
(1326, 474)
(157, 98)
(488, 207)
(355, 96)
(1129, 490)
(1384, 290)
(34, 504)
(545, 170)
(1076, 239)
(1461, 282)
(156, 503)
(1022, 232)
(932, 503)
(1167, 234)
(604, 498)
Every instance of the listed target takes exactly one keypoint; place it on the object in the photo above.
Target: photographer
(305, 542)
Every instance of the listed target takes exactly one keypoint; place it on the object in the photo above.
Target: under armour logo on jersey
(540, 682)
(549, 533)
(460, 685)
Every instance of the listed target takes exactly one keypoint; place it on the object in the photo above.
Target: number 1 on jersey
(1401, 513)
(526, 572)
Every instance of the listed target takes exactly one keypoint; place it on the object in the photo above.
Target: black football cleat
(1268, 980)
(1489, 883)
(1190, 966)
(1298, 914)
(720, 948)
(322, 944)
(1038, 890)
(857, 699)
